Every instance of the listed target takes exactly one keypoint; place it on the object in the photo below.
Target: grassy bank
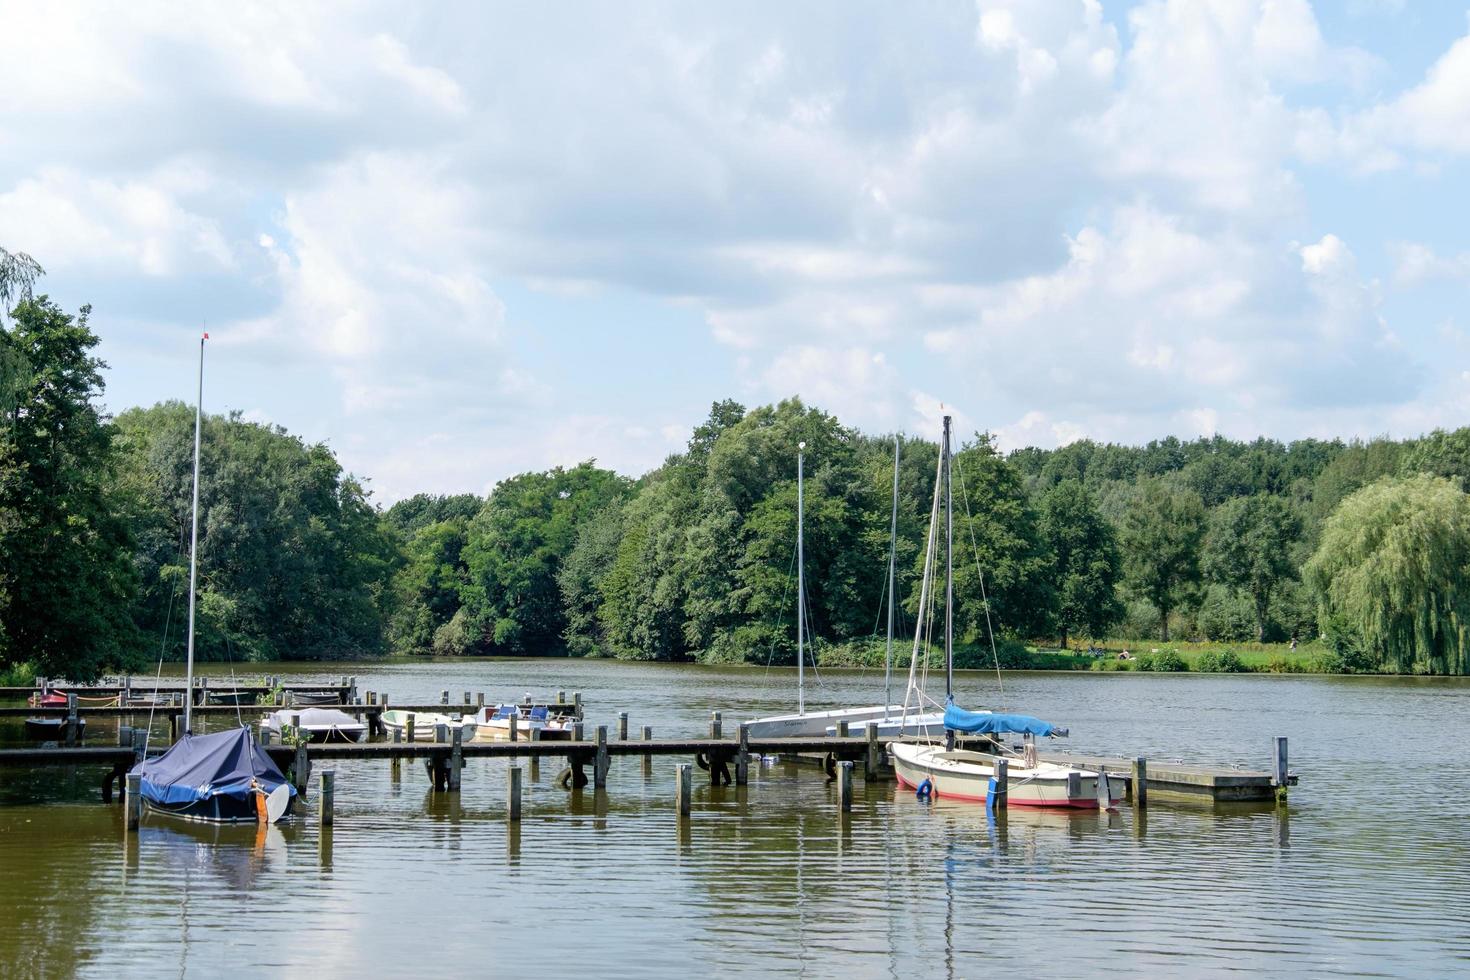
(868, 654)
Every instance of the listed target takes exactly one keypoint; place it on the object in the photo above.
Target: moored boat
(317, 724)
(223, 777)
(492, 724)
(425, 723)
(49, 728)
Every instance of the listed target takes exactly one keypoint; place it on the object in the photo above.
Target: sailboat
(966, 774)
(805, 724)
(224, 777)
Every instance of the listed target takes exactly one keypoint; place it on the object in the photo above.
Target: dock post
(647, 756)
(1074, 785)
(513, 793)
(124, 736)
(134, 800)
(742, 758)
(561, 697)
(684, 788)
(395, 765)
(443, 697)
(73, 729)
(302, 768)
(1003, 784)
(203, 697)
(329, 795)
(441, 733)
(140, 742)
(467, 701)
(352, 687)
(1140, 782)
(873, 761)
(456, 759)
(842, 730)
(577, 731)
(1278, 768)
(175, 722)
(844, 785)
(622, 726)
(535, 736)
(409, 725)
(599, 769)
(265, 733)
(577, 702)
(480, 699)
(515, 728)
(714, 724)
(1104, 790)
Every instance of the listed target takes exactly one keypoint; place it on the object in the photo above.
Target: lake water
(1367, 872)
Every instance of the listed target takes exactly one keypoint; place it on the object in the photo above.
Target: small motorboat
(235, 698)
(313, 697)
(317, 724)
(492, 724)
(50, 728)
(425, 724)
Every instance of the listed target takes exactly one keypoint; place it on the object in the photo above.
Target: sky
(458, 241)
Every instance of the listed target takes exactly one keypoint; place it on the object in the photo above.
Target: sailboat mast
(800, 584)
(194, 549)
(948, 582)
(892, 584)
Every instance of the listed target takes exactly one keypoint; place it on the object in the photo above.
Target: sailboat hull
(964, 775)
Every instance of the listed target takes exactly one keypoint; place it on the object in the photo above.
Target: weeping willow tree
(1392, 576)
(18, 274)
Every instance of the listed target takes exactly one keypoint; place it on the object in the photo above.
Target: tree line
(1365, 543)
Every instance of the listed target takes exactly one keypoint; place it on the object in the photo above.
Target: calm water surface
(1367, 873)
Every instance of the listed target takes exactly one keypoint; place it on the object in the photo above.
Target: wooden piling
(480, 699)
(441, 733)
(515, 733)
(599, 769)
(124, 736)
(684, 788)
(266, 735)
(133, 803)
(467, 701)
(443, 697)
(576, 731)
(409, 725)
(535, 736)
(622, 726)
(1104, 790)
(561, 697)
(1280, 774)
(1074, 785)
(1003, 783)
(302, 768)
(395, 765)
(647, 756)
(175, 722)
(577, 703)
(328, 796)
(1140, 782)
(873, 760)
(456, 759)
(513, 793)
(742, 757)
(842, 728)
(72, 726)
(714, 724)
(844, 786)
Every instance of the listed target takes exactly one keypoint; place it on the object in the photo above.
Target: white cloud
(1416, 263)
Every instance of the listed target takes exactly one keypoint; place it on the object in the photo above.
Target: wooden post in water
(599, 769)
(576, 731)
(844, 785)
(1074, 785)
(302, 768)
(515, 733)
(577, 702)
(134, 800)
(622, 726)
(873, 760)
(395, 767)
(124, 736)
(409, 725)
(535, 736)
(444, 697)
(480, 699)
(329, 795)
(714, 724)
(265, 733)
(1104, 790)
(73, 726)
(684, 789)
(742, 758)
(467, 701)
(561, 697)
(456, 759)
(513, 793)
(842, 729)
(1280, 774)
(352, 687)
(441, 733)
(1140, 782)
(647, 756)
(140, 742)
(174, 721)
(1002, 783)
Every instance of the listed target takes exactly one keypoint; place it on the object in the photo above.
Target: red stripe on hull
(1015, 801)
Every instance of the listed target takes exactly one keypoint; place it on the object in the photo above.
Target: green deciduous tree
(1160, 538)
(64, 552)
(1392, 575)
(1087, 567)
(1250, 549)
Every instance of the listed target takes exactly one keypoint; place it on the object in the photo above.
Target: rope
(984, 599)
(162, 650)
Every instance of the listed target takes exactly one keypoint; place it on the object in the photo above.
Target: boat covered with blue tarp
(216, 777)
(991, 723)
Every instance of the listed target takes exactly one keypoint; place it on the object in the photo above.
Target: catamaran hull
(966, 776)
(814, 724)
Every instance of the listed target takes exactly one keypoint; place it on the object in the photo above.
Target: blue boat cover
(987, 723)
(198, 767)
